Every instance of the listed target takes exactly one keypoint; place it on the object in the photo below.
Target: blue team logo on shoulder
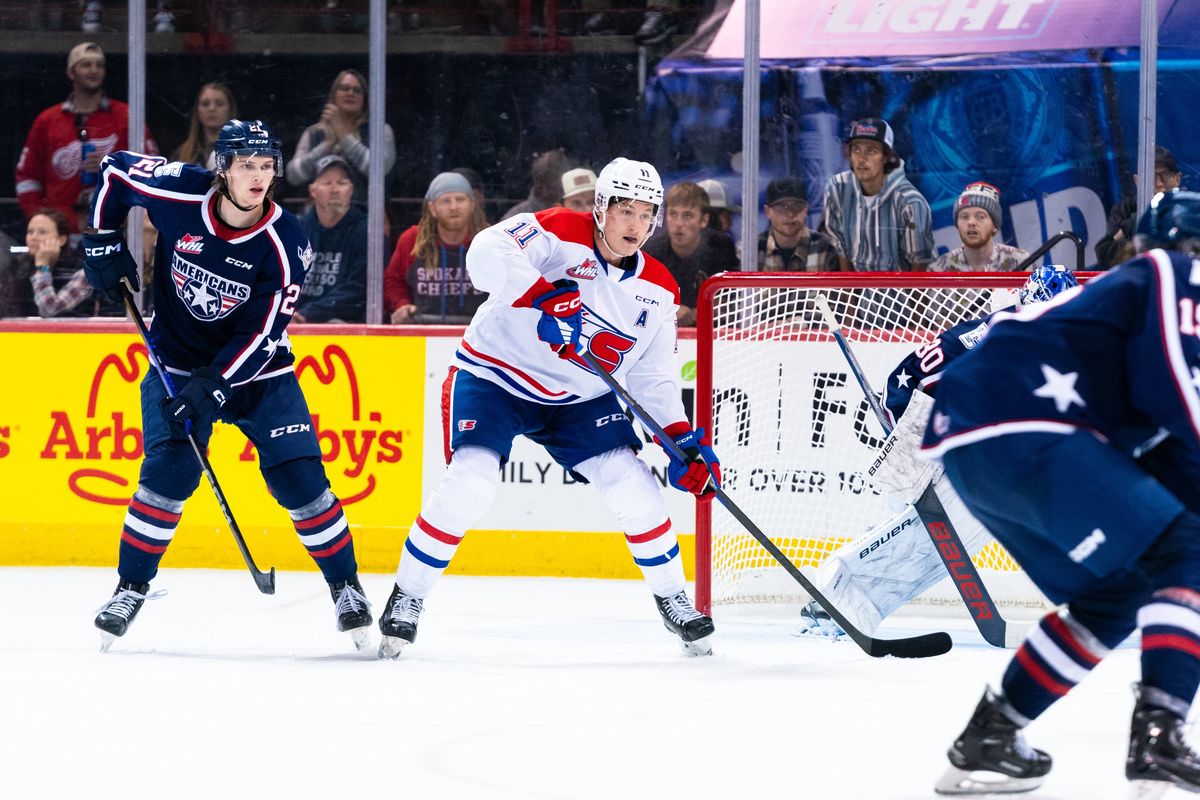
(206, 296)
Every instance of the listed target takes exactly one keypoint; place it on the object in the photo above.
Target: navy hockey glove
(198, 403)
(562, 313)
(701, 471)
(106, 261)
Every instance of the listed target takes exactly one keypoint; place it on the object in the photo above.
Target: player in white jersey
(559, 281)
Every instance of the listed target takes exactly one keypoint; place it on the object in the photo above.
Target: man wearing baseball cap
(788, 245)
(876, 219)
(720, 210)
(977, 215)
(579, 189)
(335, 287)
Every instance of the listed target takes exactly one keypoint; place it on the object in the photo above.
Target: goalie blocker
(894, 562)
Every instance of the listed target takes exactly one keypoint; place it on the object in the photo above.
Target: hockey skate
(1159, 757)
(990, 756)
(353, 611)
(815, 621)
(115, 616)
(399, 623)
(681, 618)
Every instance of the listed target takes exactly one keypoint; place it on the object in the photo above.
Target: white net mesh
(793, 430)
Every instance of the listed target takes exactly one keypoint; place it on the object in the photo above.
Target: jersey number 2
(290, 295)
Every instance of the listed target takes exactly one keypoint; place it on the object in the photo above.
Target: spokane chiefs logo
(207, 296)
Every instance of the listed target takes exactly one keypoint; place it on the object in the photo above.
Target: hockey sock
(1170, 625)
(150, 524)
(1056, 655)
(324, 532)
(464, 494)
(631, 493)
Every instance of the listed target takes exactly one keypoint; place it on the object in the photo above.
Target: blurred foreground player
(1097, 387)
(232, 263)
(558, 281)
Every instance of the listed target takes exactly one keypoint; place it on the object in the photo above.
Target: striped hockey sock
(427, 552)
(656, 552)
(323, 529)
(150, 524)
(1056, 655)
(1170, 625)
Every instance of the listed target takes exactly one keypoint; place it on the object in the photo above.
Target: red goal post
(793, 432)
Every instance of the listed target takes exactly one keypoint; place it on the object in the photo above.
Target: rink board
(70, 448)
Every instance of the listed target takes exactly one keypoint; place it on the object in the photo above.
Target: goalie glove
(701, 471)
(198, 403)
(562, 313)
(106, 260)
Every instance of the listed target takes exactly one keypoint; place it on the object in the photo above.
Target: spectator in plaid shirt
(876, 218)
(59, 286)
(788, 245)
(977, 215)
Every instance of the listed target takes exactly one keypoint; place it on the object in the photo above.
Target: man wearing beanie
(876, 218)
(977, 216)
(62, 152)
(426, 279)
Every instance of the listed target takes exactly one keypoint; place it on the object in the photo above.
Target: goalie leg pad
(629, 490)
(463, 495)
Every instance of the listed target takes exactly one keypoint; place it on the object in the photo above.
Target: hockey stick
(265, 581)
(945, 538)
(923, 646)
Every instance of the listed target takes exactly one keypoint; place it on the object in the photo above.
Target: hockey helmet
(246, 138)
(1044, 283)
(625, 179)
(1172, 221)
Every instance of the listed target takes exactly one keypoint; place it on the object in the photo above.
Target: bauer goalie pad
(893, 563)
(898, 469)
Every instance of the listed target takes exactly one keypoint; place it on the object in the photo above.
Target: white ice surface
(527, 689)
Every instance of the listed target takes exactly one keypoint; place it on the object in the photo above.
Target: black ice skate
(681, 618)
(1159, 757)
(990, 756)
(815, 621)
(115, 616)
(399, 623)
(353, 611)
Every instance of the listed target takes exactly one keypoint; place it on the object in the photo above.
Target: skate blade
(106, 641)
(963, 782)
(1148, 790)
(700, 647)
(361, 637)
(390, 646)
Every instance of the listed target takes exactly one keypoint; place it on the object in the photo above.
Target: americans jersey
(1119, 357)
(628, 316)
(922, 368)
(222, 297)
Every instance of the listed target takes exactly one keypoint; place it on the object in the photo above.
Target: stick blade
(926, 645)
(265, 581)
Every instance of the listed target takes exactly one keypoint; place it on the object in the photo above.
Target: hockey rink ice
(516, 689)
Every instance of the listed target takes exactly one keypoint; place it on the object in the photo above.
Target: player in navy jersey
(1082, 457)
(893, 562)
(560, 281)
(230, 263)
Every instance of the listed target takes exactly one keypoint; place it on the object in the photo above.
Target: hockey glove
(700, 472)
(562, 314)
(198, 403)
(106, 261)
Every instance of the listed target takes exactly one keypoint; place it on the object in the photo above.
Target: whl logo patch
(189, 243)
(207, 296)
(586, 271)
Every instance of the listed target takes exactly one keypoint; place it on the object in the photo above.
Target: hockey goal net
(795, 435)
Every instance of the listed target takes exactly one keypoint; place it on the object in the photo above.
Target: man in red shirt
(62, 152)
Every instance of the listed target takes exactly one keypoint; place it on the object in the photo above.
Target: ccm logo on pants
(286, 429)
(600, 423)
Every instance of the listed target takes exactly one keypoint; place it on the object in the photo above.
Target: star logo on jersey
(1060, 388)
(274, 344)
(902, 379)
(207, 296)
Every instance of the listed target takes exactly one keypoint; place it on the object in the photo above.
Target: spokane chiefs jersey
(628, 316)
(1119, 357)
(222, 297)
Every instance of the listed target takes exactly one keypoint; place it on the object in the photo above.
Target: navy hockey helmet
(1172, 221)
(1044, 283)
(246, 138)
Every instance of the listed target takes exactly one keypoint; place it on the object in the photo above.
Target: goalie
(895, 561)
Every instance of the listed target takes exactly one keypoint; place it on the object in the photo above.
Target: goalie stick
(923, 646)
(946, 541)
(265, 581)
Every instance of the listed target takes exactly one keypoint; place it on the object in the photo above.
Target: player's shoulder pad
(577, 227)
(656, 272)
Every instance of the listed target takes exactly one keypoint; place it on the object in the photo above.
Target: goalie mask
(623, 179)
(1044, 283)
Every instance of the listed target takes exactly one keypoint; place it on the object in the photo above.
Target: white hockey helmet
(628, 180)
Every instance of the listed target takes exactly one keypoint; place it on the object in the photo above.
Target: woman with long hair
(342, 130)
(215, 105)
(60, 289)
